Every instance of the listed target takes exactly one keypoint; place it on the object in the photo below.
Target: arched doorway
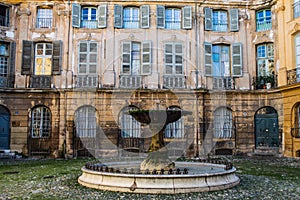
(266, 128)
(4, 128)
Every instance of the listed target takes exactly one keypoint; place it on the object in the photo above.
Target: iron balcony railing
(264, 25)
(295, 132)
(174, 81)
(40, 81)
(44, 22)
(86, 81)
(130, 81)
(223, 83)
(89, 24)
(293, 76)
(265, 82)
(7, 81)
(220, 26)
(131, 23)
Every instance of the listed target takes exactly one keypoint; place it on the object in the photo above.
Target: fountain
(157, 173)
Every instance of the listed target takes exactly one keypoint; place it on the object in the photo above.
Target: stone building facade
(70, 70)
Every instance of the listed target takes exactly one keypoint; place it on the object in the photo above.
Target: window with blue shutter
(118, 16)
(76, 10)
(234, 19)
(145, 16)
(187, 17)
(102, 13)
(208, 19)
(237, 66)
(146, 57)
(208, 59)
(160, 16)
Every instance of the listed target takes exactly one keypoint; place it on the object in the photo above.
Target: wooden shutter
(145, 14)
(102, 13)
(187, 17)
(237, 66)
(234, 19)
(146, 57)
(208, 58)
(208, 19)
(126, 57)
(118, 16)
(57, 57)
(27, 57)
(12, 64)
(160, 16)
(76, 10)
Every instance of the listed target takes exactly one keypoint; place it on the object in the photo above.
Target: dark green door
(266, 130)
(4, 128)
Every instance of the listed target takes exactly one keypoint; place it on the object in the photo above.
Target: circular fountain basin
(201, 177)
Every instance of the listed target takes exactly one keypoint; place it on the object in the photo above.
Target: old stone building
(70, 71)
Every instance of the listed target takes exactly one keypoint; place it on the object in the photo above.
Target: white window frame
(219, 23)
(4, 58)
(44, 56)
(265, 59)
(89, 22)
(173, 22)
(40, 122)
(131, 21)
(266, 23)
(223, 123)
(88, 54)
(86, 122)
(44, 17)
(173, 55)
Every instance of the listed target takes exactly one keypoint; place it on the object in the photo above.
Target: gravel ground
(65, 186)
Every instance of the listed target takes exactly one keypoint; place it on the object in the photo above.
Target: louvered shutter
(234, 19)
(118, 19)
(208, 19)
(187, 17)
(208, 58)
(145, 14)
(237, 59)
(27, 57)
(76, 10)
(102, 13)
(57, 57)
(126, 57)
(160, 16)
(12, 63)
(146, 57)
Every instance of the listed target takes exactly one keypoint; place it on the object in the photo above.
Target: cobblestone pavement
(251, 187)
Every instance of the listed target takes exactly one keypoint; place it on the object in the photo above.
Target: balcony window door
(223, 123)
(220, 21)
(263, 20)
(43, 59)
(89, 17)
(265, 60)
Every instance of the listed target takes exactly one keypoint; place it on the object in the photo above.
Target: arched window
(223, 125)
(40, 122)
(175, 129)
(129, 126)
(85, 120)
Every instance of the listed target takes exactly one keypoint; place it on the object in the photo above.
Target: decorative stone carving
(24, 11)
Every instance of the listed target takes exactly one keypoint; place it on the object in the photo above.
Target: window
(47, 58)
(4, 15)
(131, 17)
(297, 52)
(86, 122)
(296, 126)
(174, 18)
(88, 16)
(223, 60)
(220, 22)
(265, 59)
(173, 57)
(130, 128)
(40, 122)
(43, 59)
(136, 58)
(263, 20)
(4, 59)
(296, 7)
(217, 20)
(175, 129)
(223, 123)
(44, 18)
(87, 57)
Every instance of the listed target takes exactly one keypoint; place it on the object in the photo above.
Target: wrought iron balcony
(7, 81)
(264, 25)
(40, 81)
(174, 81)
(293, 76)
(130, 81)
(89, 24)
(44, 22)
(86, 81)
(265, 82)
(223, 83)
(295, 132)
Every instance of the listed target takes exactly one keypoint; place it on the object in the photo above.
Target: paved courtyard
(261, 178)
